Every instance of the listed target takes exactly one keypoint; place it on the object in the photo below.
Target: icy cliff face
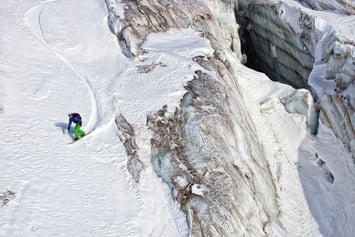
(208, 150)
(345, 6)
(308, 49)
(137, 19)
(222, 193)
(284, 58)
(338, 107)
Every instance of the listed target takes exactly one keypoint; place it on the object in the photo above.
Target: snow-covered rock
(134, 21)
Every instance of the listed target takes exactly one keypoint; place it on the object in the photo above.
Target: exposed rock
(6, 197)
(127, 137)
(139, 18)
(149, 68)
(189, 154)
(328, 174)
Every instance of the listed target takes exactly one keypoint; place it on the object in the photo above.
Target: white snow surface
(58, 57)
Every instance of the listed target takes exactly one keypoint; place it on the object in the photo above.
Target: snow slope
(58, 57)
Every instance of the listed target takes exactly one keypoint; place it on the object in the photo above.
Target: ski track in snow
(12, 222)
(58, 190)
(85, 189)
(32, 20)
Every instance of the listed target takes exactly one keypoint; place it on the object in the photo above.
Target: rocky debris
(149, 68)
(191, 152)
(6, 197)
(328, 174)
(139, 18)
(127, 137)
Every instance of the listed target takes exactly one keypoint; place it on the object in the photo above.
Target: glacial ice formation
(138, 19)
(208, 151)
(344, 6)
(301, 47)
(199, 162)
(188, 152)
(308, 49)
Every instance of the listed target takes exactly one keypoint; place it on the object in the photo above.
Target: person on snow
(76, 118)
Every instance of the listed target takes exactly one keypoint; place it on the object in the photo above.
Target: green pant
(77, 132)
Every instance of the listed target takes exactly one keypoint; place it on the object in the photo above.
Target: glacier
(310, 47)
(186, 153)
(185, 140)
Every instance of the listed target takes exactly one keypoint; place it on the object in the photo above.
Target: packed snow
(57, 57)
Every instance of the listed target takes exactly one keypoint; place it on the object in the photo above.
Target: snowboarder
(76, 118)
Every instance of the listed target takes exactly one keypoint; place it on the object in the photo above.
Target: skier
(76, 118)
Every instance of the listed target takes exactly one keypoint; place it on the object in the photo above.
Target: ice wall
(224, 14)
(338, 106)
(311, 49)
(344, 6)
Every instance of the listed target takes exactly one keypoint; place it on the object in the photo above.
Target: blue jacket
(74, 118)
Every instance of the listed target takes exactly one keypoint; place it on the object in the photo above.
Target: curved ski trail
(32, 20)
